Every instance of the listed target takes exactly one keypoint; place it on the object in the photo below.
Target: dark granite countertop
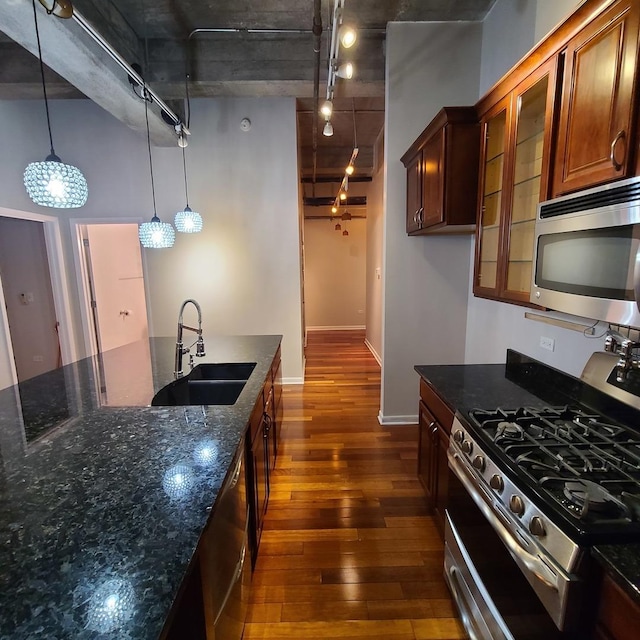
(622, 563)
(477, 386)
(102, 497)
(525, 382)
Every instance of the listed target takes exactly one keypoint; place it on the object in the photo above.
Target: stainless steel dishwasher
(224, 565)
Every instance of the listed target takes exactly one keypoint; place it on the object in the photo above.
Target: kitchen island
(102, 503)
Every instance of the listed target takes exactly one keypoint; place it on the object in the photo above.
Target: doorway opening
(111, 282)
(36, 332)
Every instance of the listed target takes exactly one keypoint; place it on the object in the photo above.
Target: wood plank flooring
(348, 550)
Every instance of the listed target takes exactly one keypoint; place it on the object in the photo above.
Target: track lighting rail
(95, 35)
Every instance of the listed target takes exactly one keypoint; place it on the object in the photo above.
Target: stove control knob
(478, 463)
(497, 483)
(536, 526)
(516, 504)
(458, 435)
(467, 447)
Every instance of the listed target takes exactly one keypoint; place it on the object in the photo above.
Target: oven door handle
(533, 563)
(464, 608)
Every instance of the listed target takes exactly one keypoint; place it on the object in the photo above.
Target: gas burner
(592, 497)
(568, 430)
(605, 429)
(508, 430)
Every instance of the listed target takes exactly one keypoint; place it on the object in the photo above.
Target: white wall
(335, 265)
(244, 268)
(429, 65)
(492, 327)
(375, 242)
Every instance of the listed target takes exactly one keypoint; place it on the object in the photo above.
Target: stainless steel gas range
(532, 490)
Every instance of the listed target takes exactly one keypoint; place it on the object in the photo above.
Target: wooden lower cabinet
(434, 427)
(618, 615)
(263, 434)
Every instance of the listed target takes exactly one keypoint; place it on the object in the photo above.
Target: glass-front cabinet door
(493, 166)
(515, 179)
(527, 185)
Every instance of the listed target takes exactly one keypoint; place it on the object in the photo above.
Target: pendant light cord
(184, 168)
(44, 86)
(146, 117)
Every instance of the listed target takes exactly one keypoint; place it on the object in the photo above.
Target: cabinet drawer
(440, 410)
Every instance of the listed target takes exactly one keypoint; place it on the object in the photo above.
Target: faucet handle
(200, 347)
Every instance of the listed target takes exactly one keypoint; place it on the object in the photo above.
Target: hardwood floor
(348, 549)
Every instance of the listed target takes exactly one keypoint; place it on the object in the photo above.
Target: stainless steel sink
(208, 384)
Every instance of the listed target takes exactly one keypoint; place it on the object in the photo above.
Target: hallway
(348, 549)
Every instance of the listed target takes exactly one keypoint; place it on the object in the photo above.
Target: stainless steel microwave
(586, 253)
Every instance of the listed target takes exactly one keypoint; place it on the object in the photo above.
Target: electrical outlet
(38, 358)
(547, 343)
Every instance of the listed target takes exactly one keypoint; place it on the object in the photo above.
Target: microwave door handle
(533, 563)
(636, 278)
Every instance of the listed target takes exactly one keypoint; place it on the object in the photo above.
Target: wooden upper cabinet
(514, 170)
(414, 191)
(596, 132)
(433, 180)
(442, 170)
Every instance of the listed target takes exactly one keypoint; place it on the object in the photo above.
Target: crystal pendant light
(154, 234)
(52, 183)
(187, 221)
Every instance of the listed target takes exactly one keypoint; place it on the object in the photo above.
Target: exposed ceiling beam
(74, 55)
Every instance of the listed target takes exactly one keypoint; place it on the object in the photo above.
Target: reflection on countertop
(102, 504)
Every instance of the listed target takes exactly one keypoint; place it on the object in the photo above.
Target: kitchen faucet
(180, 348)
(623, 347)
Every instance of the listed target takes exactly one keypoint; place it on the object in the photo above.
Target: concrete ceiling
(170, 38)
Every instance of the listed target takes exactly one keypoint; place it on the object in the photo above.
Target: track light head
(347, 35)
(328, 129)
(326, 109)
(345, 70)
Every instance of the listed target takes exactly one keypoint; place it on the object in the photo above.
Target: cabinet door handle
(420, 215)
(612, 156)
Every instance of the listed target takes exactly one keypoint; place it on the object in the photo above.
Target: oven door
(495, 600)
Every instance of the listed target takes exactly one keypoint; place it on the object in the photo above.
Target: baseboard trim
(336, 328)
(374, 353)
(396, 420)
(293, 380)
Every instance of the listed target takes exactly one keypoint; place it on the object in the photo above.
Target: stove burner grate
(589, 466)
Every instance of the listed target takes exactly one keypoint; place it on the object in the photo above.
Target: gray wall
(245, 266)
(430, 313)
(429, 65)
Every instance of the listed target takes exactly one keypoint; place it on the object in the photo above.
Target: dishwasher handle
(237, 575)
